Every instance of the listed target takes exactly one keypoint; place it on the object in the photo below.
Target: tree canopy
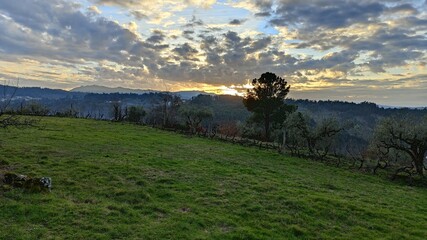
(266, 100)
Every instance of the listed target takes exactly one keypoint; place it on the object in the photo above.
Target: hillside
(120, 181)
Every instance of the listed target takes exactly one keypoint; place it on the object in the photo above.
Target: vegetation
(135, 114)
(303, 133)
(165, 111)
(406, 135)
(145, 183)
(8, 117)
(336, 132)
(194, 116)
(266, 100)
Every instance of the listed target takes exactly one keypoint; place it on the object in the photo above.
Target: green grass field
(120, 181)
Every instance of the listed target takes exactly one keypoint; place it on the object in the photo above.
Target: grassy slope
(123, 181)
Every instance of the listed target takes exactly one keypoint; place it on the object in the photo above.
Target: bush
(135, 114)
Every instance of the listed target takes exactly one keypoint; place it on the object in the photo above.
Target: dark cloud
(138, 15)
(325, 14)
(237, 21)
(209, 44)
(263, 14)
(232, 37)
(213, 29)
(156, 37)
(264, 5)
(413, 22)
(259, 44)
(341, 61)
(406, 7)
(34, 19)
(58, 31)
(391, 48)
(186, 51)
(325, 25)
(194, 22)
(187, 32)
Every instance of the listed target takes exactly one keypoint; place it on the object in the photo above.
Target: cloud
(186, 51)
(155, 10)
(94, 9)
(133, 27)
(188, 32)
(325, 14)
(157, 37)
(58, 31)
(194, 22)
(135, 3)
(263, 14)
(237, 21)
(263, 5)
(138, 15)
(405, 91)
(318, 43)
(259, 44)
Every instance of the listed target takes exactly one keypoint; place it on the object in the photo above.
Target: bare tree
(304, 133)
(119, 114)
(171, 104)
(357, 153)
(8, 117)
(194, 116)
(229, 129)
(405, 135)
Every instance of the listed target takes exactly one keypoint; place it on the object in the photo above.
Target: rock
(15, 180)
(43, 184)
(46, 183)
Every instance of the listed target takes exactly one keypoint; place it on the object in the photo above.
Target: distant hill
(103, 89)
(36, 93)
(396, 107)
(28, 93)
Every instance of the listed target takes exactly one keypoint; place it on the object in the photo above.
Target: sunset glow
(374, 49)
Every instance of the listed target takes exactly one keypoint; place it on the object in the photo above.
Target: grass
(120, 181)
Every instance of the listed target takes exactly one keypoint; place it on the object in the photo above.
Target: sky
(350, 50)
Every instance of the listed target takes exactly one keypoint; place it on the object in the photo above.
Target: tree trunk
(267, 127)
(419, 164)
(165, 114)
(284, 139)
(417, 155)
